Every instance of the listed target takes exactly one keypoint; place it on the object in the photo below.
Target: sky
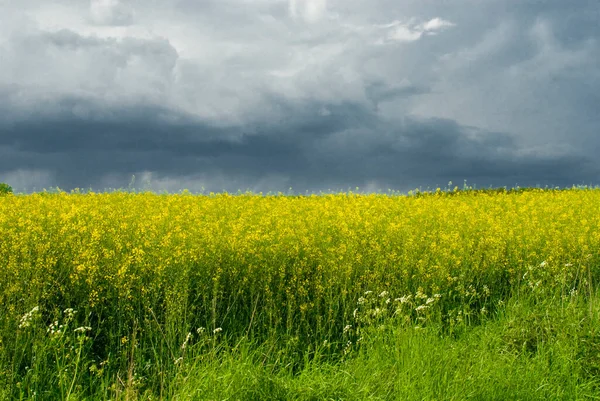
(313, 95)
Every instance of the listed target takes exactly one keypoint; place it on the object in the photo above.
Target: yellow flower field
(285, 261)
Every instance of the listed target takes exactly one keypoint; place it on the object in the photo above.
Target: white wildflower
(54, 328)
(187, 339)
(28, 317)
(82, 329)
(69, 313)
(405, 299)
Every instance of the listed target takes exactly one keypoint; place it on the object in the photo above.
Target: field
(449, 295)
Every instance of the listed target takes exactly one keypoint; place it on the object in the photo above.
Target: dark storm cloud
(345, 148)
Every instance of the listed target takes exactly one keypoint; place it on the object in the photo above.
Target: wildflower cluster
(376, 310)
(29, 317)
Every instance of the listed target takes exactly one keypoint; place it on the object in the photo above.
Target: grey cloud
(45, 68)
(243, 94)
(111, 12)
(378, 91)
(158, 49)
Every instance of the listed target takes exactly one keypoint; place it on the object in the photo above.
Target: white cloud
(436, 24)
(404, 34)
(410, 31)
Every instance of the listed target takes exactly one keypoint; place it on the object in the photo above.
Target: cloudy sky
(264, 95)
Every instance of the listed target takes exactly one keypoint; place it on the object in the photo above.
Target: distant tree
(5, 189)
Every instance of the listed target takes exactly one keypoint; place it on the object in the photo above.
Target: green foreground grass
(533, 347)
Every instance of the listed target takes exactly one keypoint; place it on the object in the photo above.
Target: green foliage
(5, 189)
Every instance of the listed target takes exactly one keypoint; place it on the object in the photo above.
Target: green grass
(534, 347)
(529, 351)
